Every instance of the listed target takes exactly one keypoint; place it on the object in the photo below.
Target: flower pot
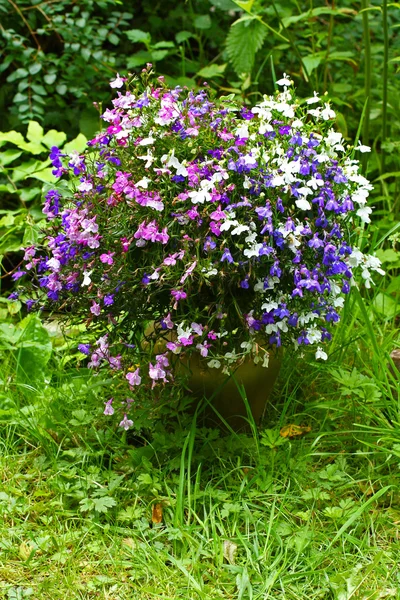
(220, 394)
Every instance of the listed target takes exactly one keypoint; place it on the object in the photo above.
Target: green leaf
(245, 5)
(19, 98)
(311, 62)
(164, 45)
(202, 22)
(54, 138)
(61, 89)
(28, 194)
(31, 235)
(39, 90)
(13, 137)
(9, 156)
(78, 144)
(10, 243)
(86, 53)
(137, 36)
(44, 175)
(212, 71)
(34, 349)
(386, 305)
(183, 36)
(224, 4)
(113, 39)
(24, 169)
(18, 74)
(103, 504)
(35, 132)
(35, 68)
(157, 55)
(244, 40)
(50, 78)
(140, 58)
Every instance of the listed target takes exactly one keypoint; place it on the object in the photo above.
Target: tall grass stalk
(385, 78)
(367, 75)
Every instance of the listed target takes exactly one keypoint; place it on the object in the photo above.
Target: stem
(328, 46)
(367, 74)
(15, 7)
(385, 77)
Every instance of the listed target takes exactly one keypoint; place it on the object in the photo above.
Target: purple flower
(134, 378)
(18, 274)
(108, 300)
(226, 256)
(178, 295)
(84, 348)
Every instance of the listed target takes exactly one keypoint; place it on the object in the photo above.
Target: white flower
(362, 148)
(327, 113)
(147, 141)
(247, 346)
(315, 112)
(239, 229)
(314, 99)
(54, 264)
(149, 158)
(172, 161)
(303, 204)
(118, 82)
(214, 364)
(144, 183)
(266, 360)
(86, 278)
(321, 354)
(284, 81)
(364, 213)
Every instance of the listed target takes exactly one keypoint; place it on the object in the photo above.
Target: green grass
(244, 516)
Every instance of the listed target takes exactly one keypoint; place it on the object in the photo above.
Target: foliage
(25, 174)
(254, 221)
(234, 513)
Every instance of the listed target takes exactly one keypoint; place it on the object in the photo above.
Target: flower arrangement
(218, 223)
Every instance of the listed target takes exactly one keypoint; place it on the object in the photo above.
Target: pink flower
(174, 347)
(126, 423)
(95, 309)
(203, 348)
(108, 410)
(134, 378)
(107, 258)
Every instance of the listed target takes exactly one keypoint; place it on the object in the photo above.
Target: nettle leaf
(140, 58)
(202, 22)
(212, 71)
(137, 36)
(244, 40)
(183, 36)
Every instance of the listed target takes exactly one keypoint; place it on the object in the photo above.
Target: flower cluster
(228, 228)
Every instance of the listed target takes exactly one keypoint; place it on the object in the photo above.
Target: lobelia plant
(231, 229)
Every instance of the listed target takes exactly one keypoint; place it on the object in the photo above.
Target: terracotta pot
(218, 392)
(220, 395)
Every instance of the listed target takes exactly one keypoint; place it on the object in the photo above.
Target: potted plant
(219, 232)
